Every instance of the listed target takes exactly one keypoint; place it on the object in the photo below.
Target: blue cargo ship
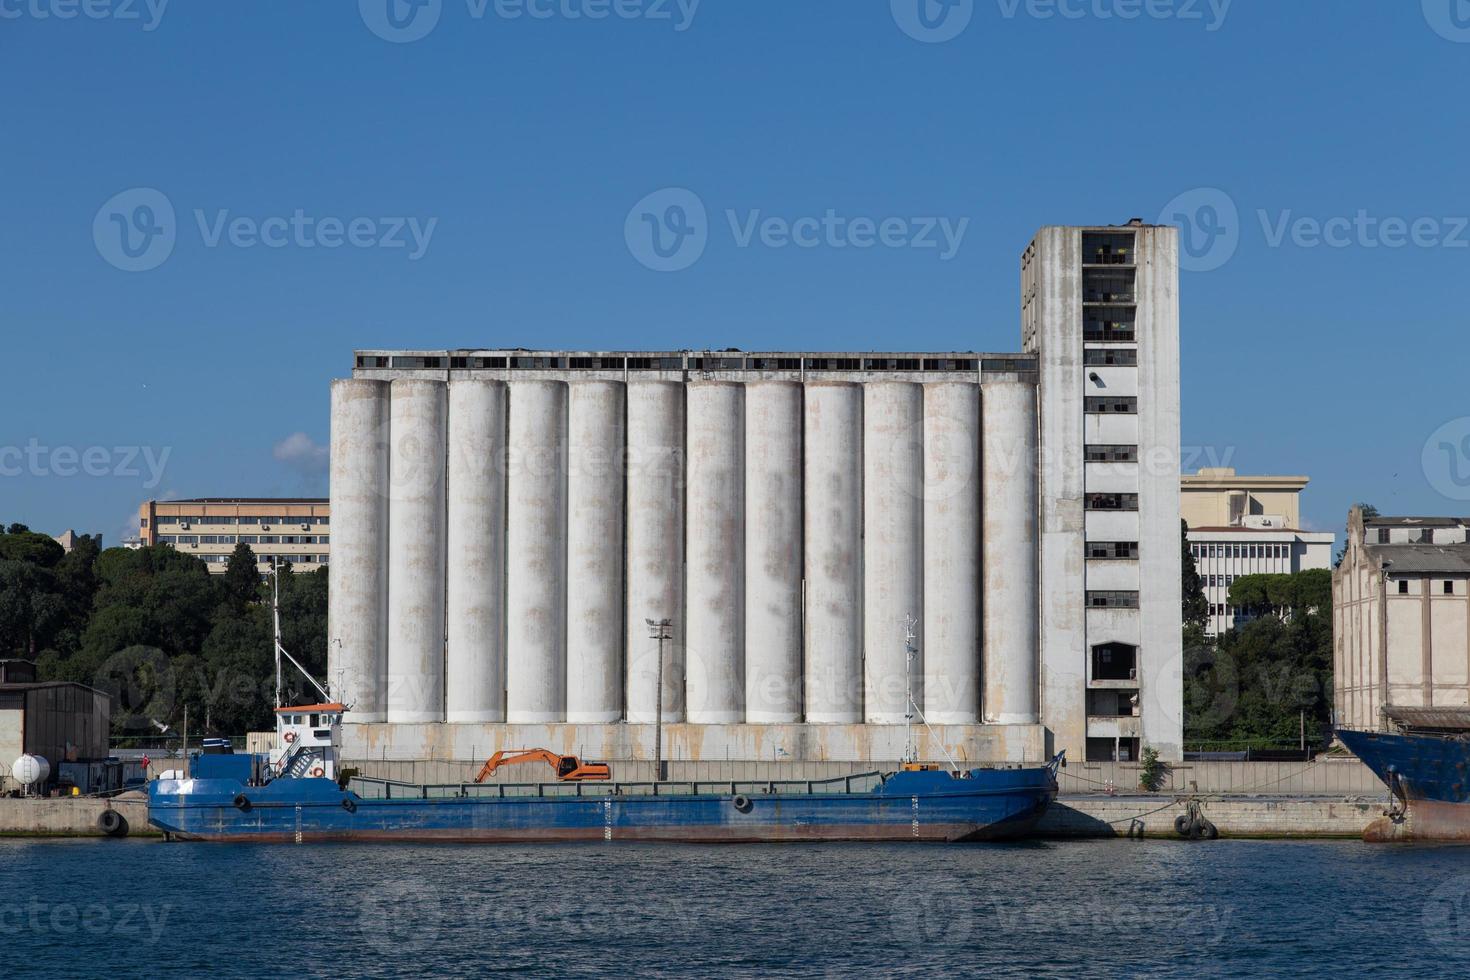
(1428, 778)
(293, 794)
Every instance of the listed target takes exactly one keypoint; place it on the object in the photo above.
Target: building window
(1449, 588)
(1112, 501)
(1110, 406)
(1110, 357)
(1403, 586)
(1104, 550)
(1113, 600)
(1383, 535)
(1112, 454)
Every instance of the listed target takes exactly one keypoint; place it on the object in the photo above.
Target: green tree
(1264, 675)
(242, 579)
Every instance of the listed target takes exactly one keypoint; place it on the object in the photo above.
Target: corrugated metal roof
(1414, 521)
(1413, 717)
(1422, 558)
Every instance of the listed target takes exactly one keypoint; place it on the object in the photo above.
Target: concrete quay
(72, 816)
(1235, 817)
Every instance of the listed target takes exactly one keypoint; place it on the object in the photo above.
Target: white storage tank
(715, 563)
(474, 668)
(952, 553)
(595, 553)
(833, 490)
(773, 551)
(536, 540)
(416, 551)
(357, 613)
(893, 553)
(1010, 564)
(655, 560)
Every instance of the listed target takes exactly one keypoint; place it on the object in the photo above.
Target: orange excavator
(569, 768)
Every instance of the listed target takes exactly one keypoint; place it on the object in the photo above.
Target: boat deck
(386, 789)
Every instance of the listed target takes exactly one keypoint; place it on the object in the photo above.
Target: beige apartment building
(286, 529)
(1246, 525)
(1401, 611)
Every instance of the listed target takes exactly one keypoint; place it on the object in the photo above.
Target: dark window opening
(1114, 662)
(1112, 600)
(1112, 550)
(489, 362)
(1112, 454)
(1110, 357)
(1112, 501)
(1110, 406)
(1108, 286)
(1107, 248)
(1403, 587)
(1383, 535)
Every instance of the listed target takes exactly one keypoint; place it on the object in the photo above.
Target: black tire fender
(1181, 825)
(1208, 831)
(112, 823)
(349, 804)
(742, 803)
(242, 802)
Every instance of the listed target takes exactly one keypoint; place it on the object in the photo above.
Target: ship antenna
(911, 748)
(280, 648)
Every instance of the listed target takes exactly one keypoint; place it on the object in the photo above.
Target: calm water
(1117, 908)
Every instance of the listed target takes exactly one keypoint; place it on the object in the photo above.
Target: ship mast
(910, 746)
(280, 648)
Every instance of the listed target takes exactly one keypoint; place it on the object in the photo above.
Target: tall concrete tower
(1100, 309)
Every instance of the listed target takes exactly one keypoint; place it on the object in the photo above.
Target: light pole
(660, 630)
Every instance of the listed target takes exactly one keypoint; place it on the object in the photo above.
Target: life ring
(317, 772)
(289, 737)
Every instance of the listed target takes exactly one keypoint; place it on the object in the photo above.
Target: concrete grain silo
(416, 550)
(506, 522)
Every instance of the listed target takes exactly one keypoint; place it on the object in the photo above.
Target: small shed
(60, 721)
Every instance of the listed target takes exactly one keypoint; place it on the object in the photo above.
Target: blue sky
(517, 146)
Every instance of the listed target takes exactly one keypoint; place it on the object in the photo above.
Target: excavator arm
(568, 768)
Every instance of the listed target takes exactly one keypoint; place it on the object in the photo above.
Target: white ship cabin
(308, 736)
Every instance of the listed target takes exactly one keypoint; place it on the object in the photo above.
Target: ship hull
(918, 806)
(1428, 777)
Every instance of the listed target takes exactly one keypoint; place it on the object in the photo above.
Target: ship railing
(371, 788)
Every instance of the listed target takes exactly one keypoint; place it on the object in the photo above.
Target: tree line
(1255, 685)
(156, 631)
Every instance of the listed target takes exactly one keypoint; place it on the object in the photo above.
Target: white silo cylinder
(1009, 549)
(952, 553)
(773, 547)
(595, 552)
(416, 551)
(536, 553)
(893, 545)
(655, 549)
(833, 554)
(715, 590)
(474, 659)
(357, 603)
